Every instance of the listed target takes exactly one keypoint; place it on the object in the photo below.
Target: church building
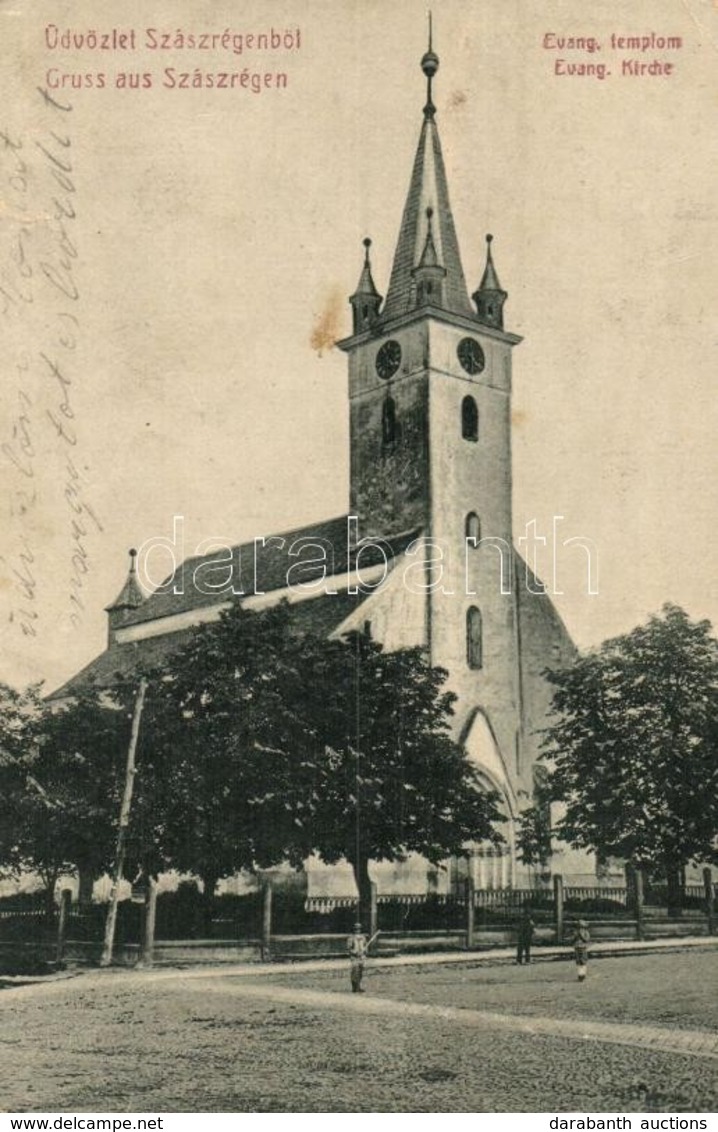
(425, 554)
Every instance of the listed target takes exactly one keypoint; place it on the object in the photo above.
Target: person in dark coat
(525, 937)
(580, 941)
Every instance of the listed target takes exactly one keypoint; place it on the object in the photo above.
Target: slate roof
(260, 567)
(428, 188)
(320, 614)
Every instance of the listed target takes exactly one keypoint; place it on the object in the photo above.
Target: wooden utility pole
(111, 922)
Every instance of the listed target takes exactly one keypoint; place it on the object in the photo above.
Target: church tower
(430, 418)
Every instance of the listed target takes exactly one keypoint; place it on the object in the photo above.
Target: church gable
(396, 613)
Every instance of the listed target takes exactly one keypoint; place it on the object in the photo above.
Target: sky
(175, 263)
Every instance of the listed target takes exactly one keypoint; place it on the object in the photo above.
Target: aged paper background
(217, 235)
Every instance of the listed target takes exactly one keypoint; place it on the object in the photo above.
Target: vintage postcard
(404, 323)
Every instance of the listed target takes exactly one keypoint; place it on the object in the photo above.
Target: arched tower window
(388, 421)
(473, 637)
(473, 528)
(469, 419)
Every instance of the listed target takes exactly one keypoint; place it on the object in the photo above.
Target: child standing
(580, 941)
(357, 946)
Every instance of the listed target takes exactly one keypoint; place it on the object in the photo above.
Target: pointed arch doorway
(492, 866)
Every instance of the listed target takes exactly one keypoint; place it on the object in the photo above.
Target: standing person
(357, 946)
(580, 941)
(525, 937)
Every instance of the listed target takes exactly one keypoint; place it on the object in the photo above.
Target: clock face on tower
(471, 355)
(388, 359)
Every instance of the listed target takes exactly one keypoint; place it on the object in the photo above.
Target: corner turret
(489, 297)
(366, 300)
(127, 601)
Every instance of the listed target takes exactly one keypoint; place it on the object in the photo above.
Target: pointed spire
(490, 297)
(428, 188)
(366, 300)
(130, 596)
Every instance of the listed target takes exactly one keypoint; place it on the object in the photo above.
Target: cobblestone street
(640, 1035)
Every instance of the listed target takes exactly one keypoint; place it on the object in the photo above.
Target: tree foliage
(392, 781)
(262, 745)
(634, 750)
(257, 745)
(61, 772)
(222, 783)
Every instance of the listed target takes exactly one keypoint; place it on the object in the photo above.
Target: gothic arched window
(473, 528)
(469, 419)
(473, 637)
(388, 421)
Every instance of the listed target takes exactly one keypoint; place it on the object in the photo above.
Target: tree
(261, 745)
(391, 781)
(60, 780)
(634, 749)
(220, 781)
(19, 712)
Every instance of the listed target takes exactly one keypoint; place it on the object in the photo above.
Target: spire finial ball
(133, 552)
(430, 64)
(366, 242)
(489, 238)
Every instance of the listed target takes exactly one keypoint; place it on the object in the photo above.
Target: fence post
(470, 913)
(638, 902)
(710, 901)
(65, 900)
(149, 916)
(558, 907)
(267, 922)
